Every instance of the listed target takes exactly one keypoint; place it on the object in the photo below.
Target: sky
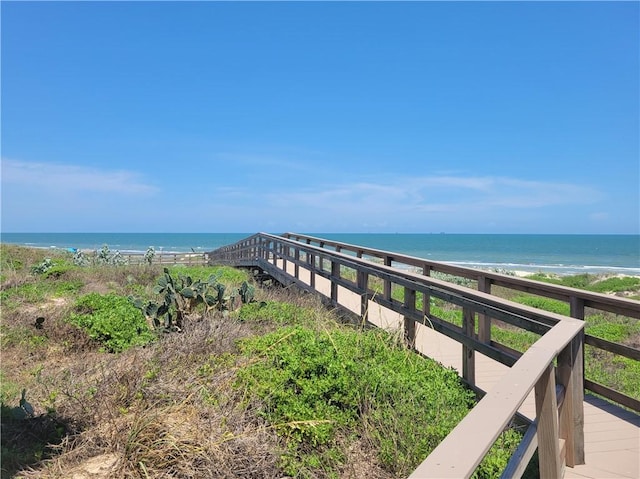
(371, 117)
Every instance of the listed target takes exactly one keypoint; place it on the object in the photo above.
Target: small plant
(43, 267)
(112, 320)
(247, 292)
(547, 304)
(458, 280)
(102, 257)
(81, 259)
(181, 295)
(149, 255)
(506, 272)
(616, 284)
(106, 257)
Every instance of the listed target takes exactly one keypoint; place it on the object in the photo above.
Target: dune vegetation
(115, 370)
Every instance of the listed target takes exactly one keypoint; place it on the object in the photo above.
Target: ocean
(561, 254)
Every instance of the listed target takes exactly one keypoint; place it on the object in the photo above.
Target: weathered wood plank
(619, 349)
(570, 373)
(547, 417)
(468, 352)
(409, 322)
(480, 428)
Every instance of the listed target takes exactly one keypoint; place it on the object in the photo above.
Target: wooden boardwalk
(612, 434)
(601, 439)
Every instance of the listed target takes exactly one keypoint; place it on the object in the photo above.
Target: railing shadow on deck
(613, 409)
(557, 431)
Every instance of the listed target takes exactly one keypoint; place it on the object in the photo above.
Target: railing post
(468, 353)
(387, 283)
(484, 321)
(335, 273)
(363, 287)
(426, 299)
(570, 374)
(285, 255)
(576, 310)
(547, 416)
(296, 268)
(311, 259)
(409, 323)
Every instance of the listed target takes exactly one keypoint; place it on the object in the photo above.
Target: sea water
(562, 254)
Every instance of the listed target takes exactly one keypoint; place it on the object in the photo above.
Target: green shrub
(612, 327)
(450, 278)
(546, 304)
(316, 385)
(495, 461)
(518, 339)
(439, 310)
(51, 268)
(616, 284)
(591, 282)
(112, 320)
(579, 281)
(65, 288)
(615, 333)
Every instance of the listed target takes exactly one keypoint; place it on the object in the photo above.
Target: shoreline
(518, 270)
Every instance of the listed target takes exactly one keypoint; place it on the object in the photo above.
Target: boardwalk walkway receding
(597, 438)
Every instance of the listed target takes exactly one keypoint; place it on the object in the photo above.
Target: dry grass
(165, 410)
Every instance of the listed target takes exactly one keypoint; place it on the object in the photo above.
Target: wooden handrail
(578, 300)
(561, 340)
(482, 426)
(603, 302)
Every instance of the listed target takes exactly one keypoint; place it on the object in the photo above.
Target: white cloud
(437, 194)
(73, 178)
(50, 197)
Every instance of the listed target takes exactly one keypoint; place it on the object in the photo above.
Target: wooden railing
(355, 284)
(578, 300)
(187, 259)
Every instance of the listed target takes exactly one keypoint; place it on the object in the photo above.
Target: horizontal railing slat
(617, 305)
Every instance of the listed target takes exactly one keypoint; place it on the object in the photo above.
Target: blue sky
(487, 117)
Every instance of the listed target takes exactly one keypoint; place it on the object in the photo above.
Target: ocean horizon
(551, 253)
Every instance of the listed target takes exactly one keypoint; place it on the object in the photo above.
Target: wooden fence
(187, 259)
(557, 431)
